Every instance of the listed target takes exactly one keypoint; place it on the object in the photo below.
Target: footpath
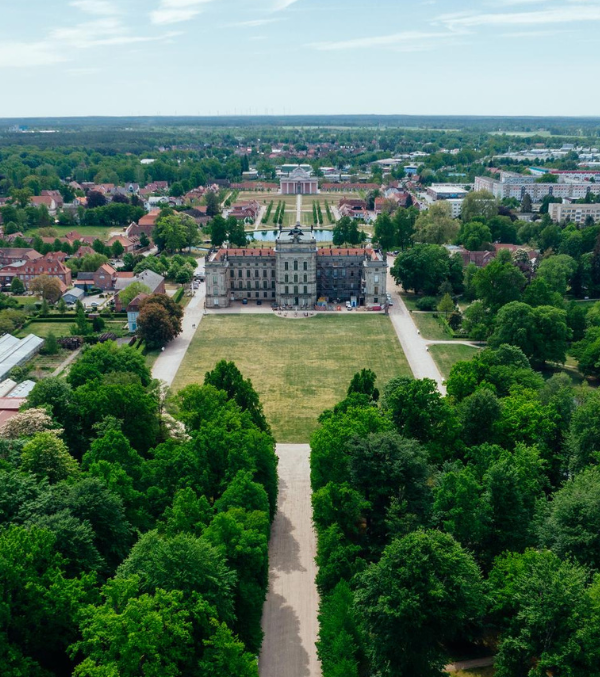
(290, 615)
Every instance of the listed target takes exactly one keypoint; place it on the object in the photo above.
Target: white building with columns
(299, 182)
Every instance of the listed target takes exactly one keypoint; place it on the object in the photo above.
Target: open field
(298, 367)
(100, 232)
(42, 329)
(432, 328)
(446, 356)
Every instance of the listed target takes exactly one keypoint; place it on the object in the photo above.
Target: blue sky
(201, 57)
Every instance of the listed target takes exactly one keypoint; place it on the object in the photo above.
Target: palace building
(296, 273)
(299, 182)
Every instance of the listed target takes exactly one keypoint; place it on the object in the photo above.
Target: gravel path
(290, 613)
(413, 344)
(168, 362)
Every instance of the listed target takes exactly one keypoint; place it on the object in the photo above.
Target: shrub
(427, 303)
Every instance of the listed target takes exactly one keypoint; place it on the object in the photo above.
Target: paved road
(168, 362)
(413, 344)
(290, 612)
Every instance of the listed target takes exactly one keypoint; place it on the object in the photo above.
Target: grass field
(431, 328)
(446, 356)
(101, 232)
(298, 367)
(42, 329)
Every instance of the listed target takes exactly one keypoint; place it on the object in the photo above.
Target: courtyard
(298, 367)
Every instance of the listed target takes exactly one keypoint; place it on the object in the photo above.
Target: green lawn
(100, 232)
(446, 356)
(432, 328)
(299, 367)
(42, 329)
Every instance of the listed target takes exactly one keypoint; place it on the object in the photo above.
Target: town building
(299, 182)
(51, 265)
(296, 274)
(17, 255)
(511, 185)
(572, 212)
(446, 191)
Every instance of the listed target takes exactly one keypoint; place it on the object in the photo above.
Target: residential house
(152, 280)
(133, 311)
(46, 201)
(245, 211)
(128, 245)
(104, 277)
(56, 196)
(17, 254)
(145, 225)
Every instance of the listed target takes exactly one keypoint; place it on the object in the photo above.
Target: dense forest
(461, 525)
(133, 541)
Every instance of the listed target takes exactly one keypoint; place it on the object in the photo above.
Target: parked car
(94, 304)
(245, 302)
(259, 302)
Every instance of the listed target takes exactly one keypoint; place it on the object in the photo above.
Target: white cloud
(176, 11)
(27, 55)
(405, 40)
(555, 15)
(60, 44)
(254, 23)
(96, 7)
(279, 5)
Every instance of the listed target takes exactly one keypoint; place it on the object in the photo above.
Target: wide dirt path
(290, 613)
(168, 362)
(414, 345)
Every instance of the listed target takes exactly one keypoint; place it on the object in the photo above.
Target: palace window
(264, 273)
(248, 273)
(306, 265)
(295, 265)
(295, 278)
(295, 290)
(232, 273)
(240, 273)
(257, 284)
(287, 278)
(306, 278)
(265, 284)
(241, 285)
(376, 290)
(305, 289)
(272, 285)
(287, 267)
(287, 290)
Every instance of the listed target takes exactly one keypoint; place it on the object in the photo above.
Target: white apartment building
(569, 212)
(516, 186)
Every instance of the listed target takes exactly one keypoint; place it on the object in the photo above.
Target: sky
(233, 57)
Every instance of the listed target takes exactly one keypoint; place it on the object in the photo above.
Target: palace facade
(299, 182)
(296, 273)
